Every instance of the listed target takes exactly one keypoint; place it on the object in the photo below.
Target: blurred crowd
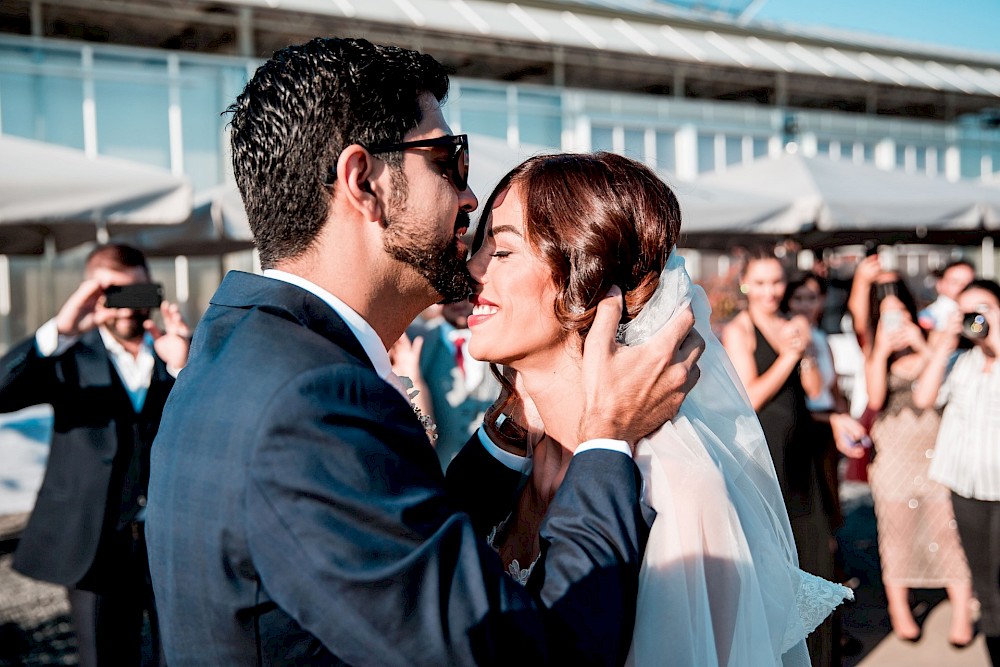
(851, 377)
(909, 403)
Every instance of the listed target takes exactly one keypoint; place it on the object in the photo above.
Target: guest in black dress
(773, 355)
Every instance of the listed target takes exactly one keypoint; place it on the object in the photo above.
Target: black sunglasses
(457, 166)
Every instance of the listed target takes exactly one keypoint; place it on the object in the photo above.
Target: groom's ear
(356, 170)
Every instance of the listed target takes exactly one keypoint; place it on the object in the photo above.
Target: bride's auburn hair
(597, 220)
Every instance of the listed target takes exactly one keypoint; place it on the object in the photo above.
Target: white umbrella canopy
(218, 225)
(830, 197)
(718, 211)
(60, 193)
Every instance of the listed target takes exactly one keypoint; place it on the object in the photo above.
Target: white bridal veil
(720, 582)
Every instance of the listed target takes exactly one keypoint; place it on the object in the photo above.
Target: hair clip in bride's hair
(620, 336)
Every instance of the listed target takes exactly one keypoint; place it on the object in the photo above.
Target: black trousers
(116, 616)
(979, 529)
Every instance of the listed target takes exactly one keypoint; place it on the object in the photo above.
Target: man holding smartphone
(106, 369)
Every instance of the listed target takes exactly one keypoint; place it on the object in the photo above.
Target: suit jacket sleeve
(481, 486)
(354, 537)
(26, 378)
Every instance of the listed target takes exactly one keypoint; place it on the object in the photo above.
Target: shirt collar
(115, 347)
(370, 341)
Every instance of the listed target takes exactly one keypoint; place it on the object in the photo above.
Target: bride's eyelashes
(500, 254)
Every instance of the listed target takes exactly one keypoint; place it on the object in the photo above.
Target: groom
(296, 508)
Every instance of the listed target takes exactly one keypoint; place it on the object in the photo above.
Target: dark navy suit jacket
(297, 515)
(92, 482)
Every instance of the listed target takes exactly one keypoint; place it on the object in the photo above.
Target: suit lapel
(246, 290)
(92, 361)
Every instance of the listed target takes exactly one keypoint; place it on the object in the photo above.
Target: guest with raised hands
(918, 542)
(858, 301)
(967, 451)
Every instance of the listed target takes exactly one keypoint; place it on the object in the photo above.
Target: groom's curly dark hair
(298, 113)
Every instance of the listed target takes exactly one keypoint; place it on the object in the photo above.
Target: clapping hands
(796, 338)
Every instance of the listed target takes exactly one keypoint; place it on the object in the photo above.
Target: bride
(720, 583)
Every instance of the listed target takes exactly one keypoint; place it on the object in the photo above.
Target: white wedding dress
(720, 582)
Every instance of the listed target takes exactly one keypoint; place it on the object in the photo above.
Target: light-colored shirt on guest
(135, 372)
(967, 453)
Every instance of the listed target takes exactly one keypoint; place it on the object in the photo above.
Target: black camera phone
(974, 325)
(138, 296)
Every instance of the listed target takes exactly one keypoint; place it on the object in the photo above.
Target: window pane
(484, 112)
(734, 150)
(970, 164)
(202, 124)
(60, 108)
(46, 108)
(900, 156)
(706, 152)
(132, 99)
(760, 147)
(539, 101)
(921, 158)
(635, 145)
(540, 129)
(17, 104)
(601, 138)
(822, 147)
(666, 152)
(869, 152)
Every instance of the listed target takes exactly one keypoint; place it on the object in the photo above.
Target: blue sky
(971, 24)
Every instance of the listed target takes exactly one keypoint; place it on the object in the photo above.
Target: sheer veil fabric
(720, 582)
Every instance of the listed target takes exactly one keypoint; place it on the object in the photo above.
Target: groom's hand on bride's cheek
(632, 391)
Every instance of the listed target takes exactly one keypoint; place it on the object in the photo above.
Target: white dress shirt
(966, 457)
(135, 372)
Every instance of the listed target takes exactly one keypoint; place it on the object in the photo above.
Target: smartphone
(138, 296)
(974, 325)
(865, 442)
(871, 248)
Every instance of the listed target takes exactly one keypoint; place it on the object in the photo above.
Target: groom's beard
(441, 261)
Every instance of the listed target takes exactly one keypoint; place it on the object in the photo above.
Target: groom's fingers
(674, 334)
(605, 326)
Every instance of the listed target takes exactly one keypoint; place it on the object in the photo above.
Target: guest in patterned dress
(918, 539)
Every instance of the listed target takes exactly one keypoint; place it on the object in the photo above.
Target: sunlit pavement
(867, 620)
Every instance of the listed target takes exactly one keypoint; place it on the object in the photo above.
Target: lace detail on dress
(514, 569)
(816, 599)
